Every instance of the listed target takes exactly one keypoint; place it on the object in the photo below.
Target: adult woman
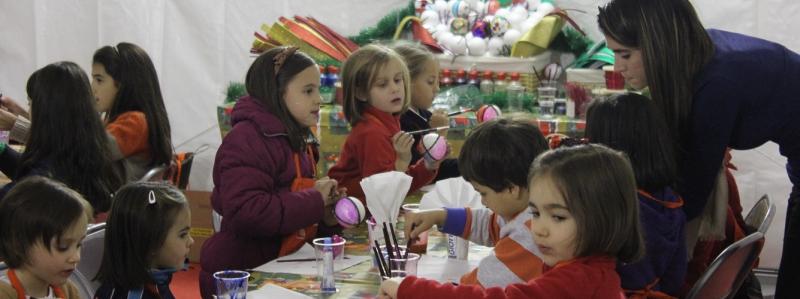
(717, 90)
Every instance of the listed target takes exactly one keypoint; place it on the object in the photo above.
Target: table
(361, 280)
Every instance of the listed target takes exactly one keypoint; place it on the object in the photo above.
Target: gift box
(538, 39)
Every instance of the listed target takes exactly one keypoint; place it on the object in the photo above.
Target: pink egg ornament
(487, 113)
(349, 211)
(434, 147)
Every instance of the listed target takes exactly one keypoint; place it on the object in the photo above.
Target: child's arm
(129, 131)
(477, 225)
(250, 199)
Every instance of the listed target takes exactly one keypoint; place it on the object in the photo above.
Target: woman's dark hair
(135, 230)
(135, 76)
(498, 153)
(675, 47)
(269, 89)
(599, 190)
(632, 123)
(36, 210)
(67, 138)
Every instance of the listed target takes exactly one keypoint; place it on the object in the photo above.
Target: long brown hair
(675, 47)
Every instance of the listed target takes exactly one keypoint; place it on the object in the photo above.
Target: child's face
(388, 92)
(177, 243)
(553, 228)
(104, 88)
(302, 97)
(54, 266)
(507, 203)
(425, 86)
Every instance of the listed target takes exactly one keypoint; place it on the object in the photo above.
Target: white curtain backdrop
(199, 46)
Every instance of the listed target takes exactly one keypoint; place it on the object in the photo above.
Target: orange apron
(648, 291)
(294, 241)
(12, 277)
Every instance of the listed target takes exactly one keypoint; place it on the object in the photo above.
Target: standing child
(495, 160)
(42, 225)
(376, 92)
(125, 84)
(585, 217)
(423, 71)
(264, 185)
(632, 123)
(147, 239)
(67, 143)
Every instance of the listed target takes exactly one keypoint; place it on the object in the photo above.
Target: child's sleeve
(249, 198)
(415, 287)
(130, 132)
(477, 225)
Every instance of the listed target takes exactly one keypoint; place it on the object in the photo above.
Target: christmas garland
(385, 28)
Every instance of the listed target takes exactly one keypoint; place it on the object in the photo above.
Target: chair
(91, 257)
(760, 216)
(727, 272)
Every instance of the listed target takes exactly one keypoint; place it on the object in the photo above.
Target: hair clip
(151, 197)
(281, 57)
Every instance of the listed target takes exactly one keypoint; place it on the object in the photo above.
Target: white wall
(198, 46)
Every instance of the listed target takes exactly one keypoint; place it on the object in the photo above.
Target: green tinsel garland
(385, 28)
(572, 41)
(234, 91)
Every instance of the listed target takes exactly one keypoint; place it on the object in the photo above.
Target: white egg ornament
(434, 147)
(511, 36)
(476, 46)
(458, 45)
(430, 18)
(499, 25)
(495, 45)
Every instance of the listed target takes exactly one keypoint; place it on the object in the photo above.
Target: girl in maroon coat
(585, 217)
(264, 185)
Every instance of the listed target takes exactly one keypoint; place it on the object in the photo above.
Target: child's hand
(402, 142)
(422, 221)
(389, 288)
(439, 119)
(327, 187)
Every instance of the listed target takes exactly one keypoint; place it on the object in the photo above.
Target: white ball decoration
(441, 7)
(444, 38)
(495, 44)
(430, 18)
(479, 7)
(511, 36)
(533, 4)
(476, 46)
(503, 12)
(458, 45)
(545, 8)
(517, 16)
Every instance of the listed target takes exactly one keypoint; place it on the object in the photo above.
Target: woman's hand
(421, 221)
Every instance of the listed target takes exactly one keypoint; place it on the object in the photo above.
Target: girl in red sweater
(376, 87)
(585, 217)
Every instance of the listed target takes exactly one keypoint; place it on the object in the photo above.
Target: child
(376, 92)
(42, 225)
(495, 160)
(66, 143)
(125, 84)
(147, 239)
(585, 217)
(264, 170)
(632, 123)
(423, 71)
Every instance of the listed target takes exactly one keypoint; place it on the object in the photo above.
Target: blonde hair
(358, 76)
(414, 55)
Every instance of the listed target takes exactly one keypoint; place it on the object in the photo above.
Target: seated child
(585, 217)
(495, 160)
(423, 71)
(632, 123)
(42, 225)
(147, 240)
(376, 92)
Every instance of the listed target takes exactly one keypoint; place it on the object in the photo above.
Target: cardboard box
(202, 225)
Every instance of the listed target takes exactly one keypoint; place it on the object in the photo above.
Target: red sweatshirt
(369, 150)
(587, 277)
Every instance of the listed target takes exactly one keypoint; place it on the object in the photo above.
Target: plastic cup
(402, 266)
(457, 248)
(547, 95)
(327, 251)
(420, 245)
(231, 284)
(614, 79)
